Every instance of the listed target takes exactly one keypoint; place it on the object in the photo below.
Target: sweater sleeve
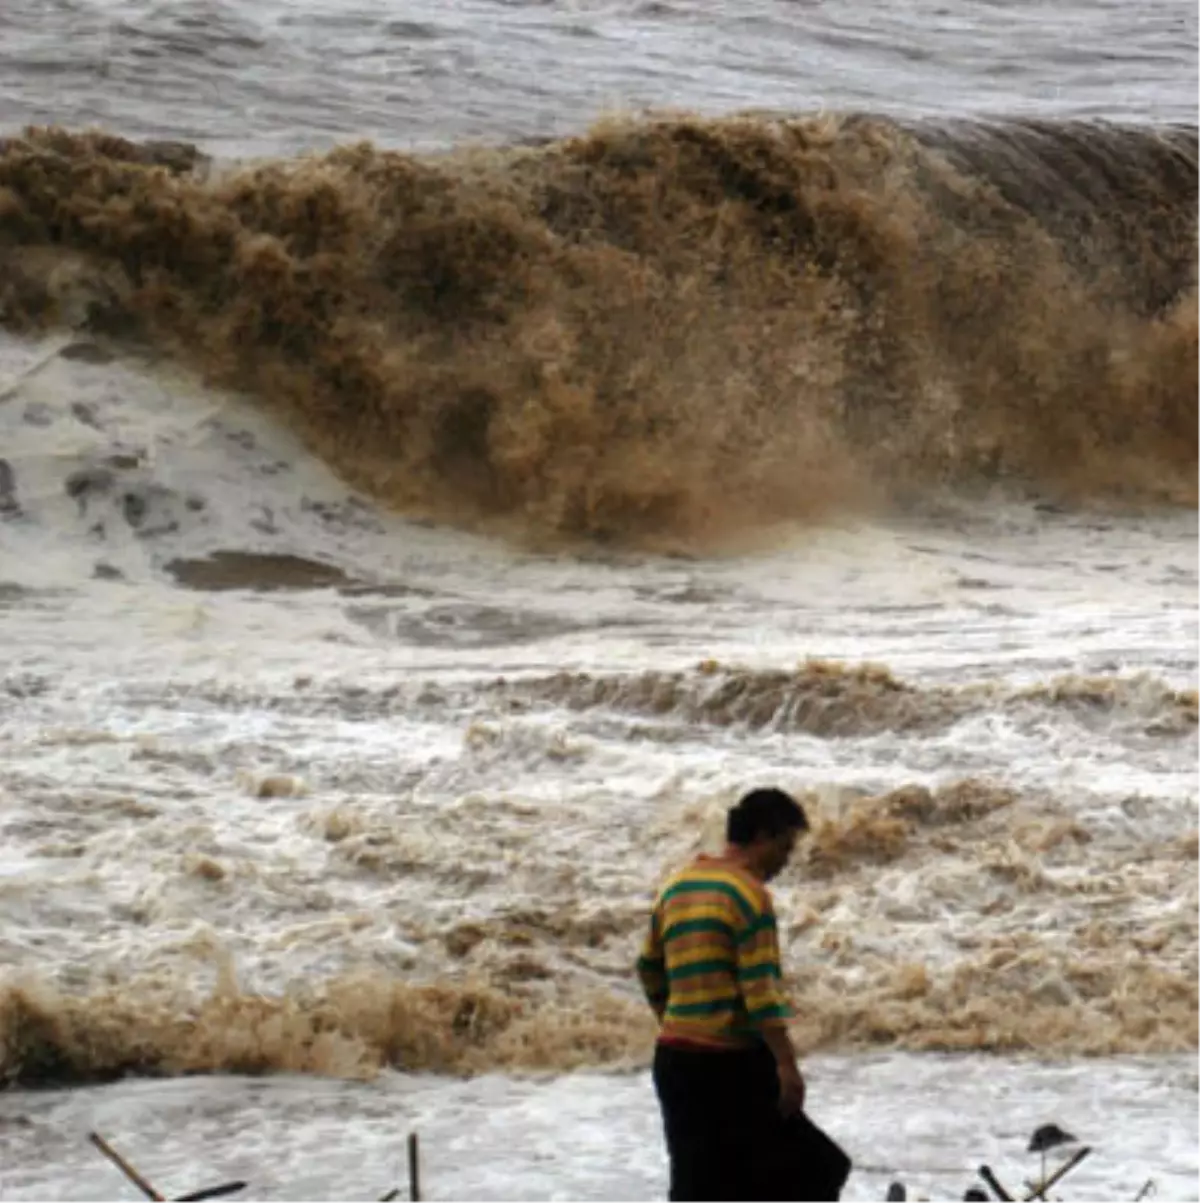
(651, 966)
(759, 976)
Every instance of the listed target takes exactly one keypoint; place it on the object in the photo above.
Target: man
(725, 1071)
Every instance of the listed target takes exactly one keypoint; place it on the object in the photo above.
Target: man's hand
(791, 1088)
(791, 1081)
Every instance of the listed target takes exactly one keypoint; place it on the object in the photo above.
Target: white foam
(930, 1121)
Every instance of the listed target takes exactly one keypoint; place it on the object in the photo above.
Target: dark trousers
(726, 1137)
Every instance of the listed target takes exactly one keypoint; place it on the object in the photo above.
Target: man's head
(764, 827)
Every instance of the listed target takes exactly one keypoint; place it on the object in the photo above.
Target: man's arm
(760, 981)
(791, 1080)
(652, 968)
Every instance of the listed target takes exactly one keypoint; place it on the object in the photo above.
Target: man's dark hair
(764, 812)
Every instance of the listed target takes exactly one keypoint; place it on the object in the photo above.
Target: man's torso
(716, 929)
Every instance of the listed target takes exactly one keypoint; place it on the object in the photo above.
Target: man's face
(777, 851)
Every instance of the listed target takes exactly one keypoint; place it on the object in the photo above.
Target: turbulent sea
(448, 452)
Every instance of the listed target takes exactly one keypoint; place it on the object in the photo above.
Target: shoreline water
(589, 1136)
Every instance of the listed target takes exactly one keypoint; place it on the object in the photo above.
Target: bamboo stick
(1039, 1192)
(985, 1172)
(124, 1167)
(414, 1169)
(211, 1192)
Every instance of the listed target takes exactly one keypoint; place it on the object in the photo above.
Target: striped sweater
(710, 962)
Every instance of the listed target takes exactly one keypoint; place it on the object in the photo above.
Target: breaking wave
(667, 330)
(831, 699)
(824, 698)
(353, 1027)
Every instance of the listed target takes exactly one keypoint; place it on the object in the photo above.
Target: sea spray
(662, 330)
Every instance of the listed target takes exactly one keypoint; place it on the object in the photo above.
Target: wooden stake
(211, 1192)
(414, 1169)
(985, 1172)
(1039, 1192)
(124, 1167)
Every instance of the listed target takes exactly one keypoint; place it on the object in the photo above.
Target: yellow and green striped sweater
(710, 961)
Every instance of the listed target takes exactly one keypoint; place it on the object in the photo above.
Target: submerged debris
(235, 1187)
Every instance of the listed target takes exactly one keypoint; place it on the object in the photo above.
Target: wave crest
(662, 330)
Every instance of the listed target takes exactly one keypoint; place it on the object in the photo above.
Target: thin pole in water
(123, 1166)
(414, 1169)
